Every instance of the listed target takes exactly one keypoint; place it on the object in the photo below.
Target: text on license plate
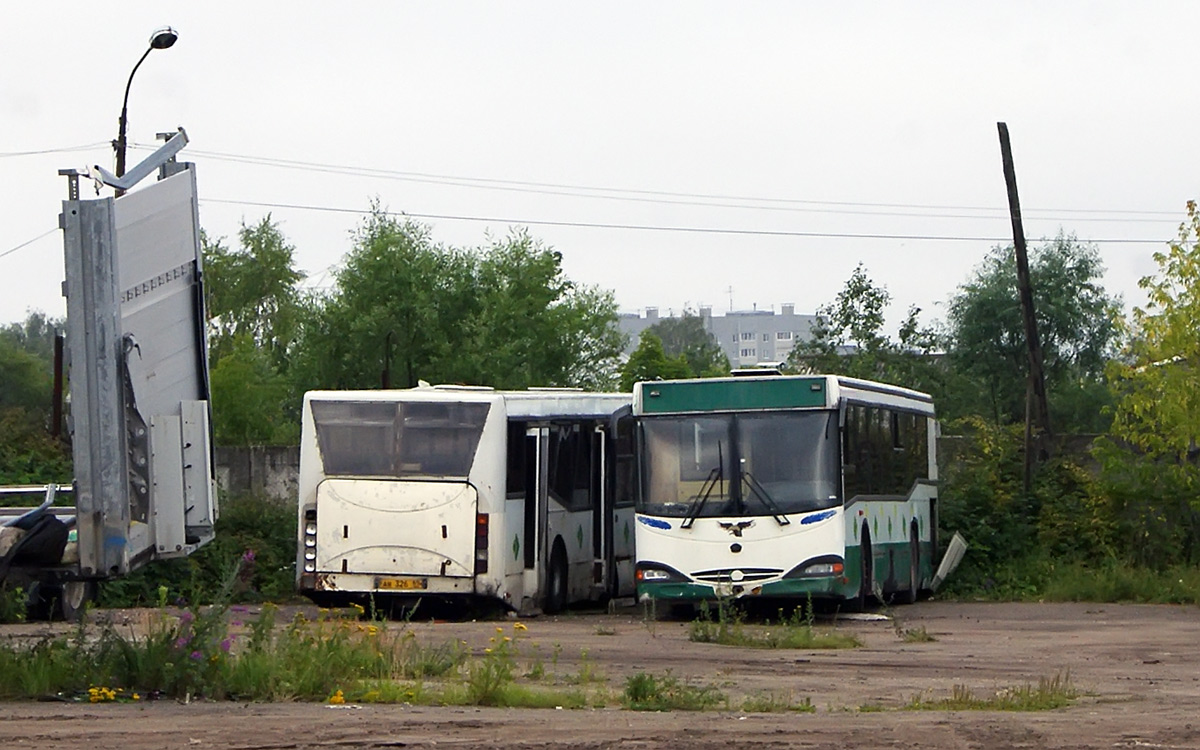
(401, 584)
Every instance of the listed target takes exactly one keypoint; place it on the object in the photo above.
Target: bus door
(537, 441)
(602, 516)
(623, 476)
(614, 509)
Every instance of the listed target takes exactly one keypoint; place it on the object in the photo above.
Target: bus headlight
(825, 566)
(651, 572)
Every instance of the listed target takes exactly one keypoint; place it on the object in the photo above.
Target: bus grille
(749, 575)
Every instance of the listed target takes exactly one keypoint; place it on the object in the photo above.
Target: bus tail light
(481, 543)
(310, 541)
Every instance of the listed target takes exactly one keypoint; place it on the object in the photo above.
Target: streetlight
(160, 39)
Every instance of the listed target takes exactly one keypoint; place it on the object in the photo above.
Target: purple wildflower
(186, 617)
(197, 655)
(182, 641)
(248, 556)
(225, 644)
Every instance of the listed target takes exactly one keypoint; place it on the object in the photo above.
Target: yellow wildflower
(519, 626)
(337, 698)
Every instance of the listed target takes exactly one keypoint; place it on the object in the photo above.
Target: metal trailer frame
(140, 418)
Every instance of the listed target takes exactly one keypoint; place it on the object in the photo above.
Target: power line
(10, 251)
(652, 228)
(708, 200)
(65, 150)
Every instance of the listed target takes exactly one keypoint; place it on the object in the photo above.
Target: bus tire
(914, 568)
(866, 578)
(556, 580)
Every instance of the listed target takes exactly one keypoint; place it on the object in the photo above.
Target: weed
(605, 630)
(794, 631)
(12, 604)
(645, 692)
(1049, 694)
(771, 702)
(915, 635)
(587, 670)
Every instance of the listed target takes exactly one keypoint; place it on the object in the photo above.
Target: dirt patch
(1137, 666)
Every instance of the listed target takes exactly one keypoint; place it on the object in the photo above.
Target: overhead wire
(653, 228)
(708, 200)
(64, 150)
(26, 243)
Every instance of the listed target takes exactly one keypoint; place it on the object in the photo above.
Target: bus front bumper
(788, 588)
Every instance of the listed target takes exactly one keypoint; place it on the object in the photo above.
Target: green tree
(503, 315)
(26, 380)
(28, 454)
(249, 399)
(530, 325)
(649, 362)
(1151, 460)
(1077, 327)
(848, 339)
(686, 336)
(253, 291)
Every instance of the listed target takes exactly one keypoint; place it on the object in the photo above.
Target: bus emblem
(735, 528)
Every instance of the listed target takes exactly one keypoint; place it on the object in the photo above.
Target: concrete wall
(272, 471)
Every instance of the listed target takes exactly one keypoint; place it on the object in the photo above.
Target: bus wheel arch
(556, 579)
(866, 572)
(914, 566)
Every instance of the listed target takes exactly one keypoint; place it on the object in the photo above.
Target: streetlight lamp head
(163, 38)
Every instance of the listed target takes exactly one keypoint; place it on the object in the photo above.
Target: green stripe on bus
(725, 395)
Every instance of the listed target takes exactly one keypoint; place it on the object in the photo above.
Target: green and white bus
(459, 493)
(784, 487)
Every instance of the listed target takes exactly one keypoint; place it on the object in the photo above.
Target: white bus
(460, 493)
(787, 487)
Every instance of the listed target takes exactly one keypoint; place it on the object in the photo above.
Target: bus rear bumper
(361, 583)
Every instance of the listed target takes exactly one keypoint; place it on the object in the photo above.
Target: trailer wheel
(74, 597)
(556, 580)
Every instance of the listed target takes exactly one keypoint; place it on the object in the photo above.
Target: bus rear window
(398, 439)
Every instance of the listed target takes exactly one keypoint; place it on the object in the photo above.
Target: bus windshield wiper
(715, 475)
(765, 498)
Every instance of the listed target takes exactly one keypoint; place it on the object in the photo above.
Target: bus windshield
(761, 464)
(398, 439)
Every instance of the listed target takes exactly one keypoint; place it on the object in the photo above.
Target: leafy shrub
(248, 522)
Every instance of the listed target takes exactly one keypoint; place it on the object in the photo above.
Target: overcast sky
(680, 154)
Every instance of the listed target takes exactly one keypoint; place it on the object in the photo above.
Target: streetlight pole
(160, 39)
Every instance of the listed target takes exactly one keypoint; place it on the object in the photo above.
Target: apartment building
(748, 337)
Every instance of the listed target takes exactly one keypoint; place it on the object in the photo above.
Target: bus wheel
(914, 568)
(556, 581)
(866, 580)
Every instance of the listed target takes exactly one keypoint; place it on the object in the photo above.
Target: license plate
(402, 584)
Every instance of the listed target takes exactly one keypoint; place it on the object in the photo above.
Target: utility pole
(1037, 408)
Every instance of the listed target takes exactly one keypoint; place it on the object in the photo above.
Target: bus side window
(569, 467)
(851, 441)
(625, 481)
(516, 469)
